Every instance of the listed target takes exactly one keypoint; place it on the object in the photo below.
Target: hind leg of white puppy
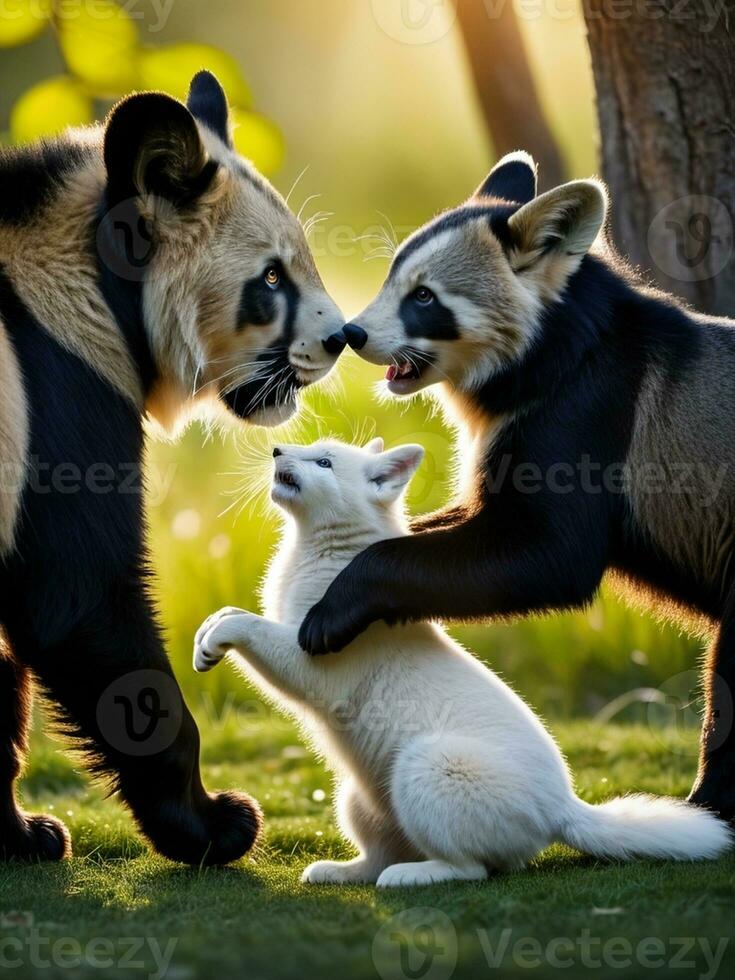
(378, 838)
(450, 798)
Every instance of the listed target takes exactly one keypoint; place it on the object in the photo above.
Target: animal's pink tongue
(391, 373)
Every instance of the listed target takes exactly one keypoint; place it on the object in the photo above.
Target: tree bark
(505, 86)
(665, 78)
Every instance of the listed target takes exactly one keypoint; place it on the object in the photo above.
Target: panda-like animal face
(465, 294)
(235, 309)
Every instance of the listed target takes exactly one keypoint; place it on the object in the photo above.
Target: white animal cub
(445, 773)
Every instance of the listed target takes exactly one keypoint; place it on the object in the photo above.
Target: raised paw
(207, 657)
(224, 631)
(338, 873)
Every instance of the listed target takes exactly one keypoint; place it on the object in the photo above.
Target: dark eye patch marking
(259, 305)
(432, 321)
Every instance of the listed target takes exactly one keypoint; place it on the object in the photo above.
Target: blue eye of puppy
(423, 295)
(326, 464)
(272, 277)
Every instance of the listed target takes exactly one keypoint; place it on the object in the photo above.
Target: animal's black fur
(74, 606)
(33, 174)
(208, 103)
(515, 180)
(511, 549)
(73, 601)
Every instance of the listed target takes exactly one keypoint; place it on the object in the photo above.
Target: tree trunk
(505, 86)
(665, 79)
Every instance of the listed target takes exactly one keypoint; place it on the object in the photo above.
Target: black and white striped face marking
(465, 293)
(235, 308)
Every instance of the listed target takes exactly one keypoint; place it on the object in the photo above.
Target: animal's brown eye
(423, 295)
(272, 277)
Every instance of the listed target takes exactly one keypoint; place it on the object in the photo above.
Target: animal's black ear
(153, 146)
(512, 179)
(207, 102)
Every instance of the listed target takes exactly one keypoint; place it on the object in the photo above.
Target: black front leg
(469, 571)
(23, 836)
(715, 784)
(111, 677)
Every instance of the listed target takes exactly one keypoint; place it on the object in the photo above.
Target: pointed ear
(207, 102)
(513, 179)
(375, 446)
(553, 233)
(391, 472)
(153, 146)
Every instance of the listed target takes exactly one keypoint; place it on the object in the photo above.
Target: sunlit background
(387, 122)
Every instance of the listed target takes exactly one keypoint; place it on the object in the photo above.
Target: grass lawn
(129, 913)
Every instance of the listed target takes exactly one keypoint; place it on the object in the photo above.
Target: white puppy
(445, 773)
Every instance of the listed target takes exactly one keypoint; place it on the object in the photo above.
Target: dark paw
(35, 838)
(328, 630)
(220, 829)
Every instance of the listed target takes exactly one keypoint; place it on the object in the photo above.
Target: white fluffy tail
(645, 826)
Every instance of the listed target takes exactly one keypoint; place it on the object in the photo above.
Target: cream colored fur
(13, 441)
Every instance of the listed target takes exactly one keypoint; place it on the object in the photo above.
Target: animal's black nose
(335, 343)
(277, 452)
(356, 336)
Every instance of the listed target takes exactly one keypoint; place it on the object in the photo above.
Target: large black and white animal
(145, 269)
(444, 772)
(597, 416)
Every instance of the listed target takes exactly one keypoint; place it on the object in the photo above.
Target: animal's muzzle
(350, 334)
(356, 336)
(335, 343)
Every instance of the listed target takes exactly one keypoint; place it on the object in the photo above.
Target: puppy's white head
(333, 483)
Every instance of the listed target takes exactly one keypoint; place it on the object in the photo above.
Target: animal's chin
(261, 403)
(284, 494)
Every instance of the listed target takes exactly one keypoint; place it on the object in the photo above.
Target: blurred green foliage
(101, 47)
